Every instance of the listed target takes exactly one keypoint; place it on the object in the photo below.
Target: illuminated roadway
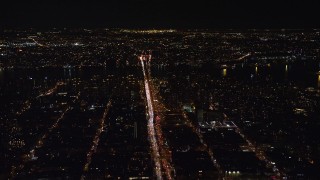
(151, 128)
(30, 155)
(164, 151)
(96, 139)
(39, 44)
(27, 104)
(244, 56)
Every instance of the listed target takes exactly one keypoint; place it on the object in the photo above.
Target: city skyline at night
(159, 89)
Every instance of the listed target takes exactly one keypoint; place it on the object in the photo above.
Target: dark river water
(302, 74)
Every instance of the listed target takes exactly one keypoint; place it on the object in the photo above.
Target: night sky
(160, 13)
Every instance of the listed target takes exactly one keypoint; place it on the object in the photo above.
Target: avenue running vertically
(151, 128)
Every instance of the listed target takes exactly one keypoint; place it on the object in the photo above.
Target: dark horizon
(160, 14)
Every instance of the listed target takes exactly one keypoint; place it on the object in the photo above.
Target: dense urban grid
(159, 104)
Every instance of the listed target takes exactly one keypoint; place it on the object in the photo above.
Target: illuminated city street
(165, 157)
(151, 129)
(96, 139)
